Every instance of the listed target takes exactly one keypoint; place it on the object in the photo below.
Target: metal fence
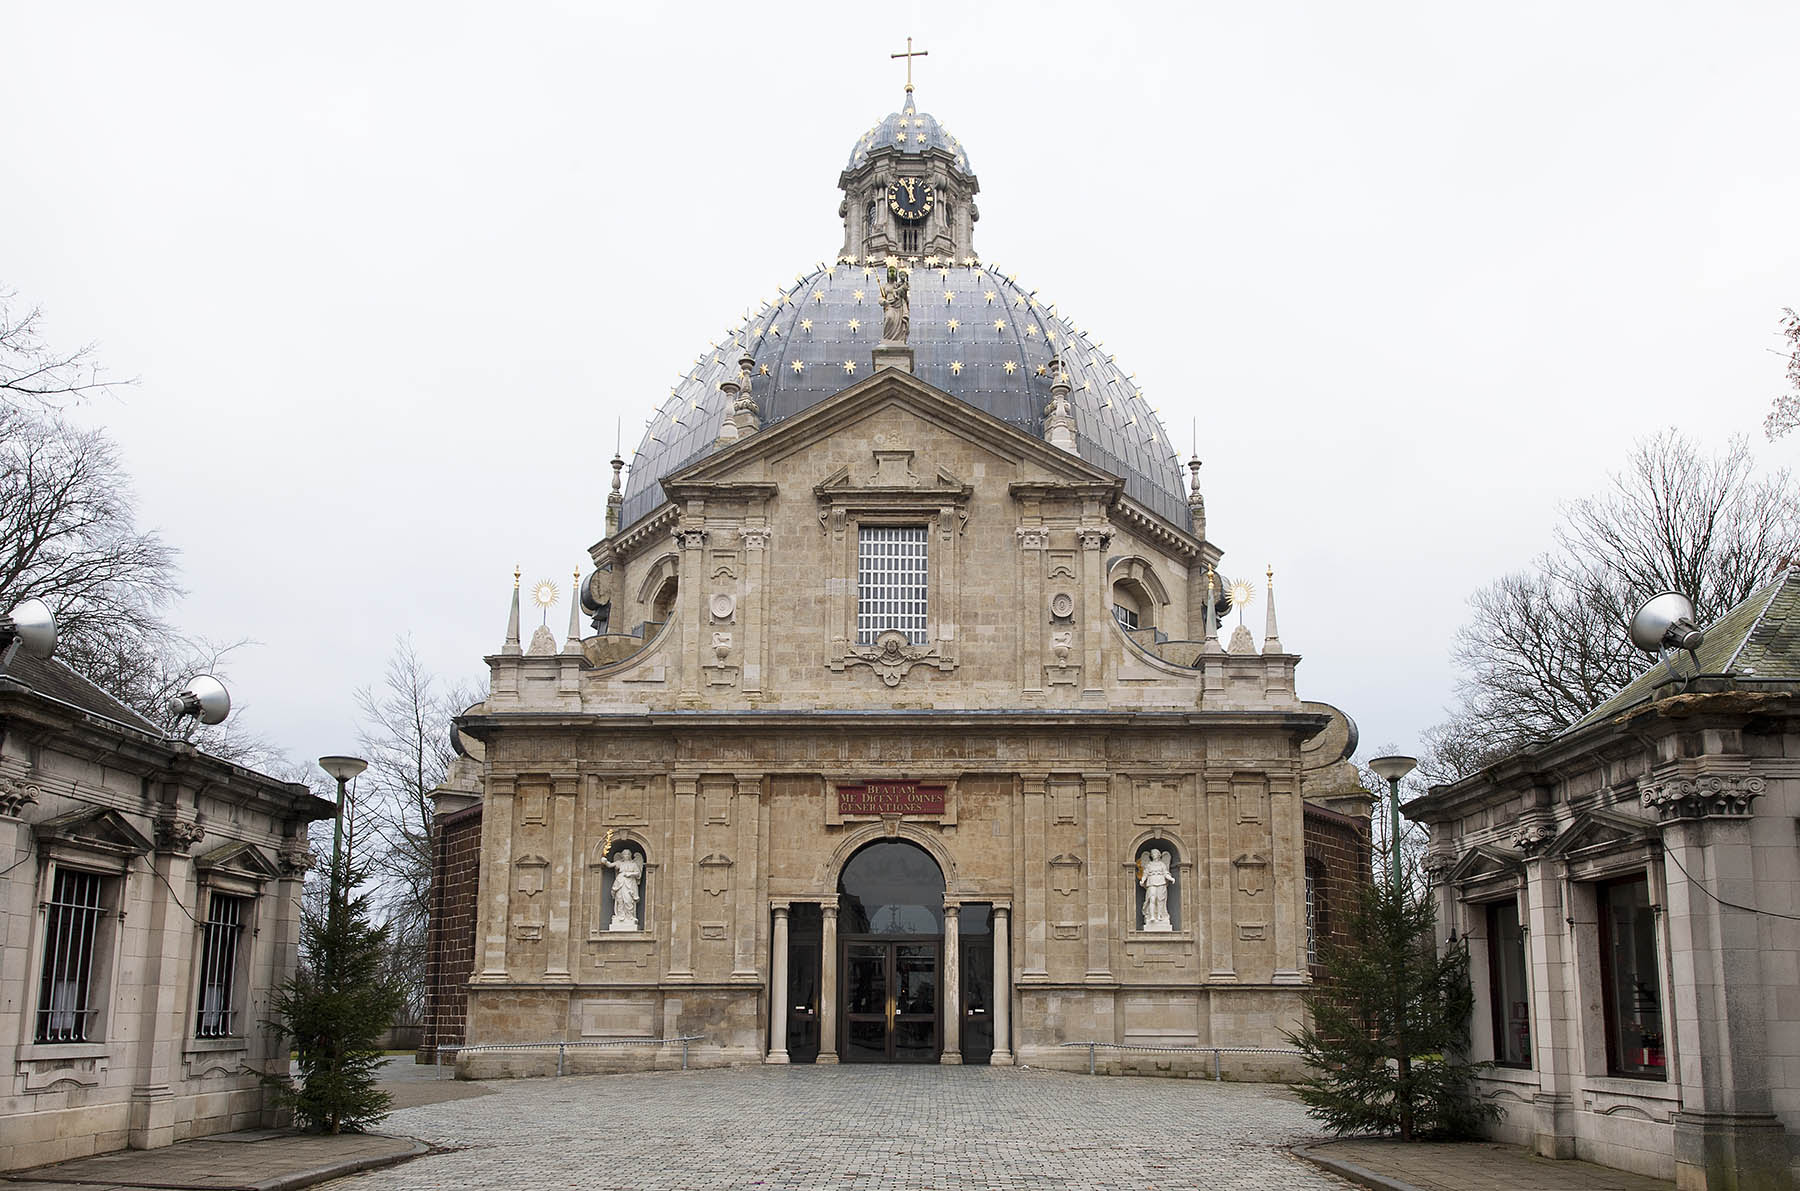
(563, 1048)
(1215, 1051)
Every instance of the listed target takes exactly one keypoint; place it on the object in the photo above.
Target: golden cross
(909, 55)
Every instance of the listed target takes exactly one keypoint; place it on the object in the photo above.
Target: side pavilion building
(1630, 891)
(907, 732)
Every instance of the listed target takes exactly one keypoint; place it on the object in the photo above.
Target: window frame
(1500, 1007)
(915, 635)
(233, 967)
(96, 840)
(1603, 894)
(53, 954)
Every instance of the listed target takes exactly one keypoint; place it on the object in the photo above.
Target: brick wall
(1338, 846)
(450, 944)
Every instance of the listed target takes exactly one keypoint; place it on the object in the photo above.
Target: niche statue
(1156, 875)
(629, 869)
(896, 307)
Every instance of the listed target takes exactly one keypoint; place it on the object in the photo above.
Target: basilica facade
(897, 721)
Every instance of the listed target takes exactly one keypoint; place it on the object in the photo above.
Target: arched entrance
(891, 964)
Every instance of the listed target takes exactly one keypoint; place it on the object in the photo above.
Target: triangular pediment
(96, 828)
(1484, 862)
(1599, 831)
(238, 858)
(887, 388)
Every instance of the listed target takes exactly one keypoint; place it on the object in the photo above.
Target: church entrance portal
(891, 922)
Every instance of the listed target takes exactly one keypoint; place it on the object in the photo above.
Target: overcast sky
(388, 275)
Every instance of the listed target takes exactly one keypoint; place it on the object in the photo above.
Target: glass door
(891, 999)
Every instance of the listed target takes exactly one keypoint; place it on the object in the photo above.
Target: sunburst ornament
(544, 593)
(1242, 592)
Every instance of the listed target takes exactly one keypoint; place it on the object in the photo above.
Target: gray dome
(975, 334)
(908, 131)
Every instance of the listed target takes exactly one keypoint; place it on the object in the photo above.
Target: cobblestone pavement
(881, 1128)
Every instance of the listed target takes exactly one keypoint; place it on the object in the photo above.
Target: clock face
(910, 198)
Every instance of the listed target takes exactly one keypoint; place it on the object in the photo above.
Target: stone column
(691, 540)
(1094, 540)
(1003, 1055)
(681, 877)
(778, 989)
(559, 950)
(1287, 866)
(828, 983)
(1033, 854)
(1726, 1133)
(496, 879)
(1099, 879)
(952, 983)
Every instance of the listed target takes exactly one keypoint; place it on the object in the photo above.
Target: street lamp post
(1393, 769)
(343, 769)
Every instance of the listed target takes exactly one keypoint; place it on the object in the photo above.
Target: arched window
(625, 873)
(662, 607)
(892, 887)
(1159, 891)
(1131, 607)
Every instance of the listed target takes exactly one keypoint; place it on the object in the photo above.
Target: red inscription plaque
(891, 798)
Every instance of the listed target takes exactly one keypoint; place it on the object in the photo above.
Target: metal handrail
(1215, 1051)
(562, 1048)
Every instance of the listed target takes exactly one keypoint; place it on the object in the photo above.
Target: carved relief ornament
(891, 657)
(1532, 835)
(1709, 795)
(177, 835)
(16, 795)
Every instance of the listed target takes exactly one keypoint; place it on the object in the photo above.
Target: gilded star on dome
(1030, 330)
(1042, 370)
(903, 121)
(849, 365)
(999, 324)
(806, 324)
(1011, 367)
(949, 296)
(799, 366)
(855, 325)
(892, 261)
(1062, 378)
(989, 295)
(956, 367)
(857, 294)
(1049, 336)
(954, 323)
(931, 262)
(1019, 301)
(968, 262)
(765, 369)
(818, 295)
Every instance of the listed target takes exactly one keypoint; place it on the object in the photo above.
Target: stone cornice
(480, 725)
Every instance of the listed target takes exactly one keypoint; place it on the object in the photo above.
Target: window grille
(1125, 616)
(1312, 914)
(890, 591)
(218, 966)
(72, 925)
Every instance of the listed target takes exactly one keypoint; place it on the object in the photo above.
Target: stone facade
(1648, 859)
(128, 1051)
(921, 594)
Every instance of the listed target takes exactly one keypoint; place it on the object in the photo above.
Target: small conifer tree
(335, 1008)
(1388, 1026)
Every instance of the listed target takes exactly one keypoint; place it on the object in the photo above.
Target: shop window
(1631, 988)
(1508, 986)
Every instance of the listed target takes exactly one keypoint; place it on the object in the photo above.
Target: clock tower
(908, 190)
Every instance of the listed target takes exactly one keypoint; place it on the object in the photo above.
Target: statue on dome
(896, 307)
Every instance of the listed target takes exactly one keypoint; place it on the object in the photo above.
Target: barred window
(1312, 912)
(890, 591)
(218, 966)
(66, 1010)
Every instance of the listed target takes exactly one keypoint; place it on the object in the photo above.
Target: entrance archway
(891, 965)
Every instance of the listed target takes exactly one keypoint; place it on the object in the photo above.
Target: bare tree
(34, 374)
(405, 736)
(1547, 645)
(1784, 414)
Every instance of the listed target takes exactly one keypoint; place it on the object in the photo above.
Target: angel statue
(896, 307)
(1156, 875)
(629, 869)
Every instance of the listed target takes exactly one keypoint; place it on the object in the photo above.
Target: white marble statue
(1156, 875)
(629, 867)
